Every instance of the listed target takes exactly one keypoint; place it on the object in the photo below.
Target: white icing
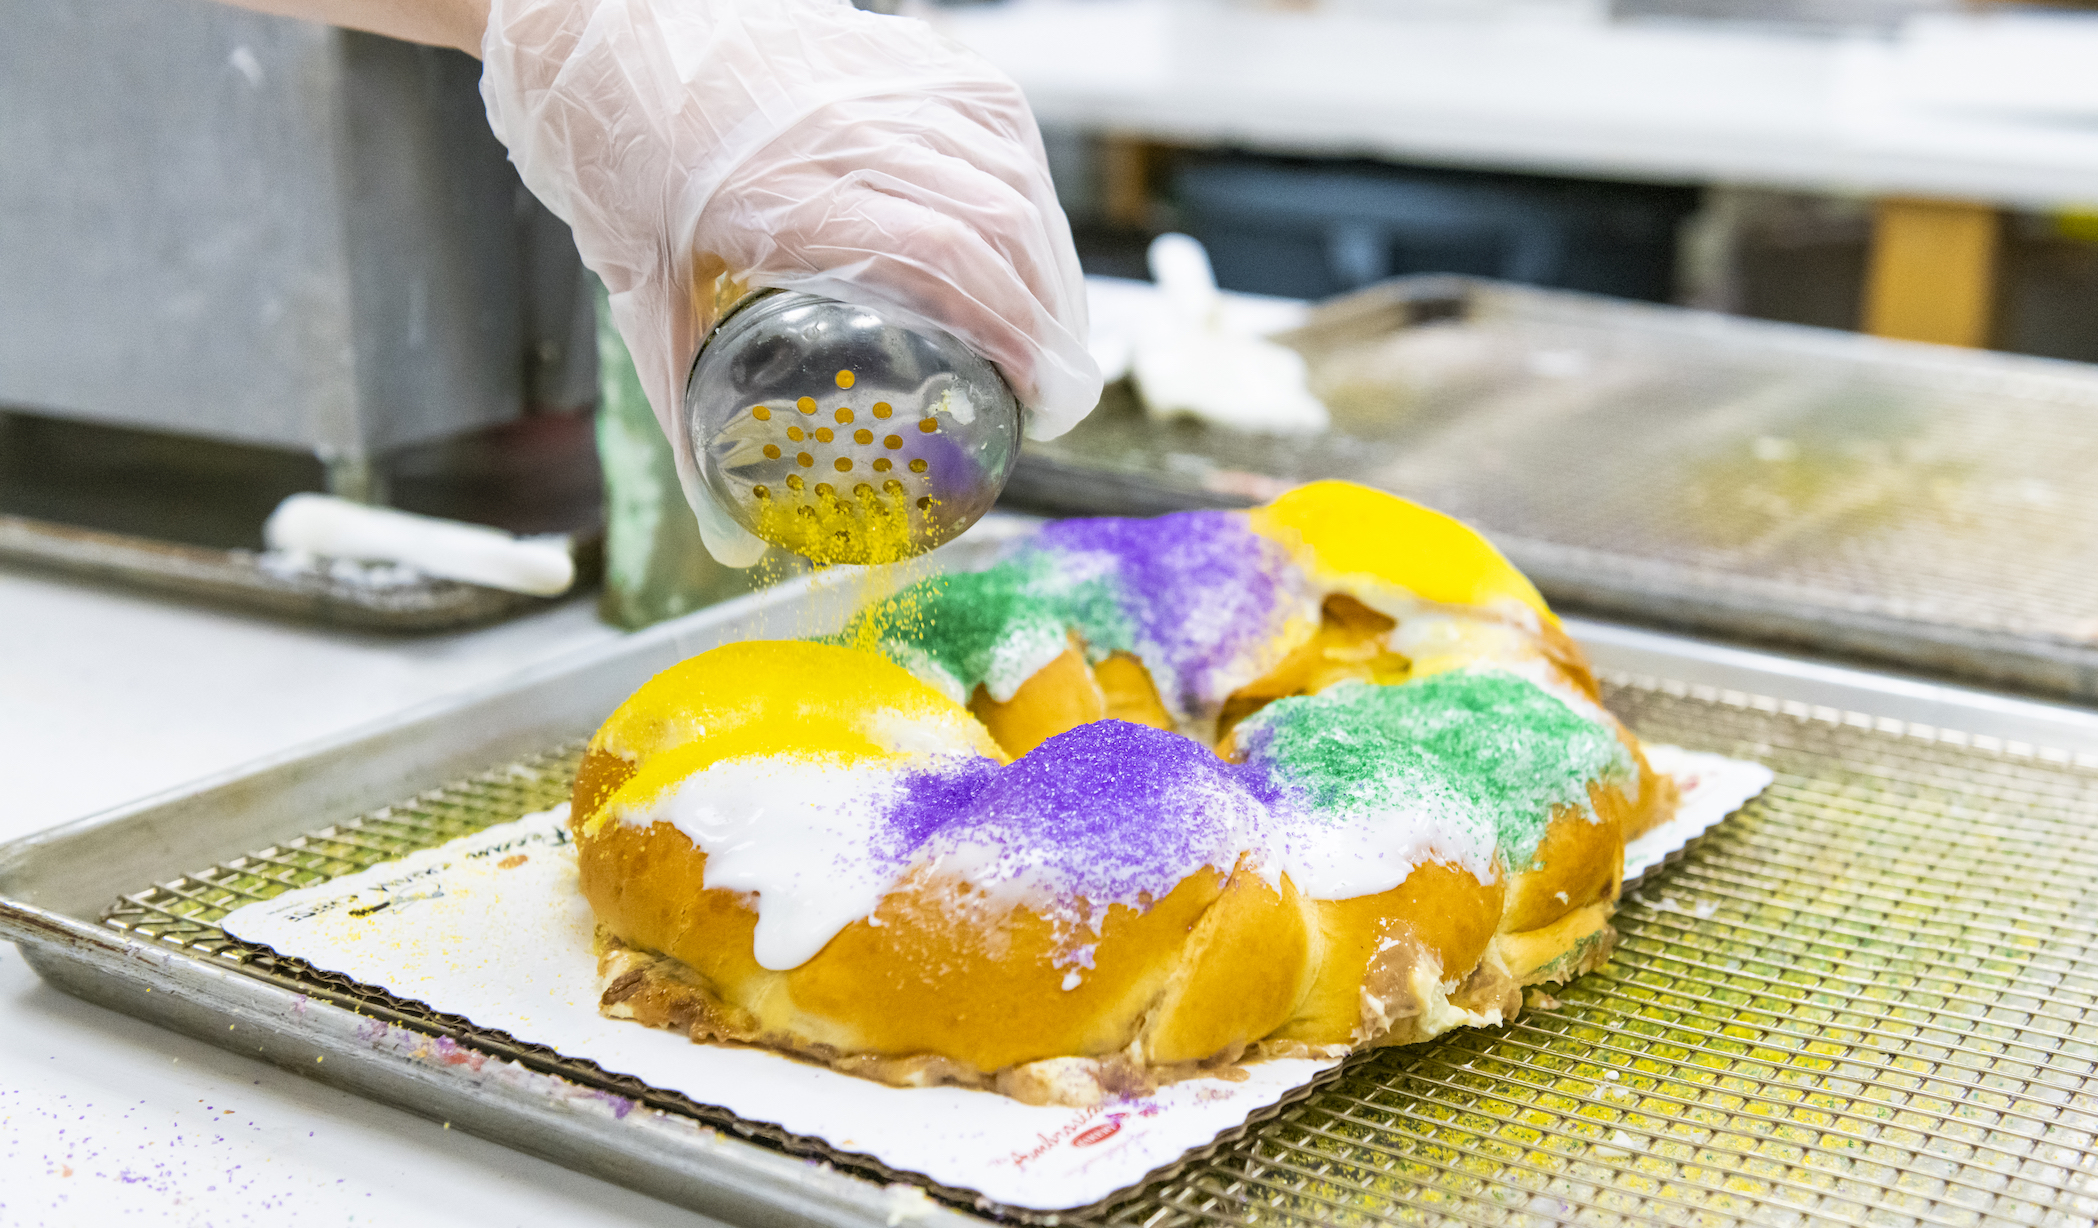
(797, 831)
(1426, 632)
(927, 670)
(1441, 633)
(1346, 852)
(1020, 655)
(933, 731)
(800, 832)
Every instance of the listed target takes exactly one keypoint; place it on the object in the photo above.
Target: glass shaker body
(830, 431)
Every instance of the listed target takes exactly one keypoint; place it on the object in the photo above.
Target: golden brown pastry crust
(1059, 696)
(1214, 966)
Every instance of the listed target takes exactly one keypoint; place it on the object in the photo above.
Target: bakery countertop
(110, 697)
(1993, 108)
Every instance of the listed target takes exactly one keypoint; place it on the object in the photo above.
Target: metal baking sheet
(340, 595)
(1923, 506)
(1871, 997)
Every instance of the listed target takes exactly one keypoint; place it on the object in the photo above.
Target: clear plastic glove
(701, 149)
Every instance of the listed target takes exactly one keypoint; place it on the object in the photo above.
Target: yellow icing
(1352, 532)
(782, 696)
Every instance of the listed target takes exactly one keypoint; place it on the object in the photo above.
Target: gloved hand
(701, 149)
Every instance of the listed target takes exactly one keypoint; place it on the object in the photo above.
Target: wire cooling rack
(1871, 998)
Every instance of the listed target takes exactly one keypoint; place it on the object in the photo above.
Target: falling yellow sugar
(862, 526)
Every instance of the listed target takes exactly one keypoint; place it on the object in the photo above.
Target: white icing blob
(798, 831)
(1348, 852)
(925, 669)
(1020, 655)
(928, 732)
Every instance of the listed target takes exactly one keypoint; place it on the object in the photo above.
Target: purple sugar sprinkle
(929, 799)
(1110, 811)
(1201, 589)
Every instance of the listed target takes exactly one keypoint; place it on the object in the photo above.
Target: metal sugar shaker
(833, 432)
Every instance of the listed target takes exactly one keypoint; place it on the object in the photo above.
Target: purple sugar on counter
(1201, 589)
(1110, 811)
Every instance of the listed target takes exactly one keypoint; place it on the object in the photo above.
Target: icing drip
(1475, 759)
(805, 834)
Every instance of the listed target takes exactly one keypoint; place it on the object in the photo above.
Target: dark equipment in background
(1313, 228)
(242, 256)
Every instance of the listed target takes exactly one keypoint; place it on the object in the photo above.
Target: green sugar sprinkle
(1487, 741)
(966, 622)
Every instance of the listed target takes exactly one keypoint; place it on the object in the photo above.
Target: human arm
(440, 23)
(703, 149)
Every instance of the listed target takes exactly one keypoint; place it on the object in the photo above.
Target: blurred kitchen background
(242, 257)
